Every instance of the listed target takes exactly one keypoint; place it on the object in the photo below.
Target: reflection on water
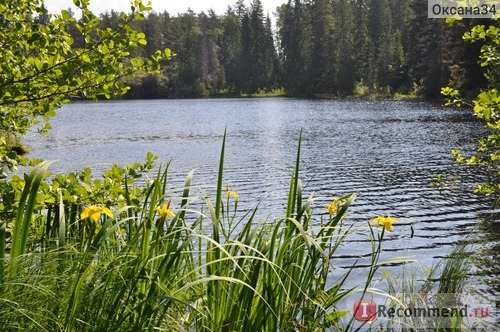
(387, 152)
(488, 255)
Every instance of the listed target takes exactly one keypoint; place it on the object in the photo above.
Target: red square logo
(365, 310)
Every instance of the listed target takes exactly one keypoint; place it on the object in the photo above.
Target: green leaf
(65, 15)
(137, 62)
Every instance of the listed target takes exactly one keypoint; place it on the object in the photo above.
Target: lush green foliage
(318, 48)
(332, 47)
(154, 257)
(229, 54)
(41, 68)
(160, 263)
(486, 106)
(127, 253)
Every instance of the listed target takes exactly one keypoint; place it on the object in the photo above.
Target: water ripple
(387, 152)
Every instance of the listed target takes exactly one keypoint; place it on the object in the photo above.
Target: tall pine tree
(322, 71)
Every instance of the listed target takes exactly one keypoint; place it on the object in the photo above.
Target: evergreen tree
(262, 48)
(240, 8)
(398, 76)
(380, 27)
(211, 74)
(325, 48)
(152, 28)
(362, 44)
(245, 77)
(270, 57)
(257, 55)
(460, 58)
(344, 52)
(187, 82)
(322, 73)
(294, 60)
(425, 53)
(230, 46)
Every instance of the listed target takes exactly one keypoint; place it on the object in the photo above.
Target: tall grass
(202, 269)
(443, 286)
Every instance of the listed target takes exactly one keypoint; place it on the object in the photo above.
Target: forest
(317, 48)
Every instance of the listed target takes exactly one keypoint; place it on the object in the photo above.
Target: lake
(387, 152)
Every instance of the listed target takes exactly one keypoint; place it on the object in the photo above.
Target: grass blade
(26, 208)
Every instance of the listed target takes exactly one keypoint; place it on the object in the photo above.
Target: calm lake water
(387, 152)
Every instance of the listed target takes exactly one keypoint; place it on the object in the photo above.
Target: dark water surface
(387, 152)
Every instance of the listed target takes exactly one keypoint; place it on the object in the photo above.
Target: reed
(89, 255)
(444, 285)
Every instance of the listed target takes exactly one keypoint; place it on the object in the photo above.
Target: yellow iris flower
(385, 221)
(165, 211)
(335, 205)
(94, 212)
(230, 193)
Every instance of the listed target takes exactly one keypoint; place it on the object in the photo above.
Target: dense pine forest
(316, 48)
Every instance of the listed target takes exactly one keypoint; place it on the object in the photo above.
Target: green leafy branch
(486, 106)
(41, 68)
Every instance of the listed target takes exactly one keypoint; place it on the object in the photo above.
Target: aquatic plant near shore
(385, 221)
(335, 205)
(164, 211)
(151, 268)
(94, 212)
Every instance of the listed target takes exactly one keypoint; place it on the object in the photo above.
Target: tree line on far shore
(317, 48)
